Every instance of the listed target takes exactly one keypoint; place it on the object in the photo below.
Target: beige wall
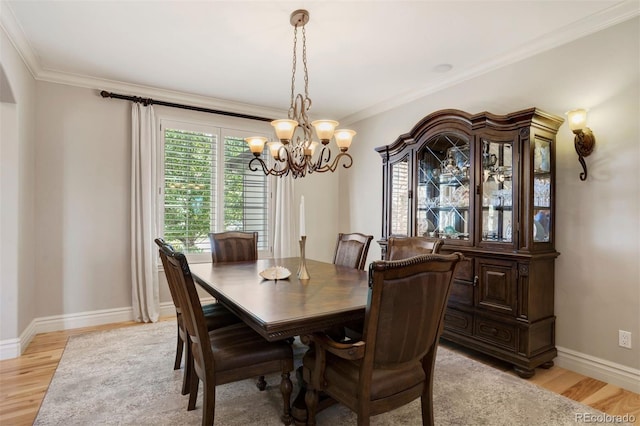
(321, 211)
(17, 180)
(598, 235)
(82, 201)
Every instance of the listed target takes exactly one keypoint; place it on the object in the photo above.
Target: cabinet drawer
(497, 333)
(461, 293)
(458, 321)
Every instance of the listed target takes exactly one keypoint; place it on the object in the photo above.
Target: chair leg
(193, 392)
(426, 401)
(188, 371)
(179, 347)
(363, 411)
(363, 420)
(311, 401)
(286, 387)
(209, 403)
(261, 383)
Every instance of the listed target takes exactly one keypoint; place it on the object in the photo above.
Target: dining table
(334, 296)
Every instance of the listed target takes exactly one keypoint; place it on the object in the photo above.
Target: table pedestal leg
(299, 407)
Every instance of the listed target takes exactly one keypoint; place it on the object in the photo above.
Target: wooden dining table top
(333, 296)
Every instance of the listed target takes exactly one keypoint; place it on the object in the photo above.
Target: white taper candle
(303, 231)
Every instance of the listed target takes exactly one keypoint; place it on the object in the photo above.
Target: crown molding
(609, 17)
(15, 34)
(130, 89)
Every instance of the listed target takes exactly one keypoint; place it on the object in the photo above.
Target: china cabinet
(485, 184)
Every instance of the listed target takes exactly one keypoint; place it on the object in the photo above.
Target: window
(206, 186)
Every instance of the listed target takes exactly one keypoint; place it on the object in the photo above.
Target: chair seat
(218, 316)
(238, 346)
(343, 374)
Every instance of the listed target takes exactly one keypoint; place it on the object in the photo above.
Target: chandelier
(295, 152)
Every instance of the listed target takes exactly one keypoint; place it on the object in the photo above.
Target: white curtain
(284, 232)
(144, 272)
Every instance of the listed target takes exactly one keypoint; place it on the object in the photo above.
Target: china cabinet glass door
(443, 187)
(497, 191)
(541, 190)
(399, 197)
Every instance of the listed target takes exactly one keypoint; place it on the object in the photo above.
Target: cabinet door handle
(476, 279)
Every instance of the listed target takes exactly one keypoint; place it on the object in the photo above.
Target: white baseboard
(9, 348)
(12, 348)
(600, 369)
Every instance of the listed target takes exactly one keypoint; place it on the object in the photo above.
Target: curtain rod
(149, 101)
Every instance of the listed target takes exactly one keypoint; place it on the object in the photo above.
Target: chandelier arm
(299, 161)
(254, 168)
(334, 165)
(324, 158)
(265, 169)
(289, 159)
(275, 171)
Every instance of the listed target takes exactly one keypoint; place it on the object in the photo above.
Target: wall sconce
(584, 140)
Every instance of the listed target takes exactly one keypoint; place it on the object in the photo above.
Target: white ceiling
(363, 56)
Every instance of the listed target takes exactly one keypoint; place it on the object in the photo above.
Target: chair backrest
(406, 247)
(168, 273)
(405, 310)
(192, 314)
(352, 249)
(234, 246)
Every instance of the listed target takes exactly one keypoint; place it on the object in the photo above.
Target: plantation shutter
(246, 193)
(189, 189)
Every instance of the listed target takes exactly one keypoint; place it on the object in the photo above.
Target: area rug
(126, 377)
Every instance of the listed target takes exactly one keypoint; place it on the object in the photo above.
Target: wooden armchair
(216, 316)
(393, 363)
(352, 249)
(405, 247)
(234, 246)
(226, 354)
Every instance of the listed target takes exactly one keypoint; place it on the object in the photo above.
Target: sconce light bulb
(577, 119)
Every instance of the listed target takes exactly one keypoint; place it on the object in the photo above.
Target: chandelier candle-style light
(294, 153)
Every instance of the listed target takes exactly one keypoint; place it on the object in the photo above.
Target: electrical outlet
(624, 339)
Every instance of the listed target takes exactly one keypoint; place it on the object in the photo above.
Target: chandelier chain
(304, 63)
(293, 70)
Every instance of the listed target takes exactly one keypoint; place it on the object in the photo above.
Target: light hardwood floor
(24, 380)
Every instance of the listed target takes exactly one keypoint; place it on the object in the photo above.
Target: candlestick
(302, 269)
(303, 231)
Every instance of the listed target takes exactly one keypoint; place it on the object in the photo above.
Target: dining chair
(233, 246)
(352, 249)
(226, 354)
(215, 314)
(394, 362)
(405, 247)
